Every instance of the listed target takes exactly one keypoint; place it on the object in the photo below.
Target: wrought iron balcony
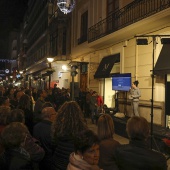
(82, 39)
(133, 12)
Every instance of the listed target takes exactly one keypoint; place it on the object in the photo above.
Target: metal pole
(49, 76)
(49, 80)
(72, 88)
(153, 56)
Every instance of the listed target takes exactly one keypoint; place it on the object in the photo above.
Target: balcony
(82, 39)
(131, 14)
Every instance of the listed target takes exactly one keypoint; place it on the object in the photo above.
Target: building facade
(45, 34)
(113, 27)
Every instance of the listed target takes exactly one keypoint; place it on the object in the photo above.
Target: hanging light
(66, 6)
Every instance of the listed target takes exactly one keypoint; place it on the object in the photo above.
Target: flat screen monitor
(121, 82)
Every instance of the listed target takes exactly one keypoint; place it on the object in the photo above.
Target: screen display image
(121, 82)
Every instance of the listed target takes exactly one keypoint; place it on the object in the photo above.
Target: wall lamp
(165, 40)
(142, 41)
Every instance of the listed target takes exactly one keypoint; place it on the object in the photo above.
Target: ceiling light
(66, 6)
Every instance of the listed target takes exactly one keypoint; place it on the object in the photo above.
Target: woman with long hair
(107, 143)
(25, 105)
(68, 123)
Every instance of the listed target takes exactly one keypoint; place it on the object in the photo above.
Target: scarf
(77, 163)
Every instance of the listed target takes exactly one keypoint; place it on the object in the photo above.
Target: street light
(50, 60)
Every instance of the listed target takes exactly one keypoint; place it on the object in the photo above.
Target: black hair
(3, 100)
(85, 140)
(136, 83)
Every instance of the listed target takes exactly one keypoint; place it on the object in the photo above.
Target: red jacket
(99, 101)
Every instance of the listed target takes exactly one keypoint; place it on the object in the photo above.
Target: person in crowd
(107, 143)
(87, 103)
(31, 145)
(42, 132)
(134, 96)
(25, 105)
(4, 101)
(47, 104)
(19, 94)
(32, 101)
(34, 93)
(10, 93)
(4, 112)
(42, 94)
(2, 91)
(136, 154)
(15, 156)
(12, 98)
(50, 97)
(93, 106)
(69, 121)
(86, 152)
(99, 101)
(82, 99)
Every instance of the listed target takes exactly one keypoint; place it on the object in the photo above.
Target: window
(84, 28)
(112, 6)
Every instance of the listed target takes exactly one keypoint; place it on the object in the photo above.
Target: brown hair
(137, 128)
(105, 127)
(13, 135)
(4, 113)
(24, 102)
(17, 115)
(69, 120)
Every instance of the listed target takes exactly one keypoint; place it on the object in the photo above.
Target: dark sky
(11, 16)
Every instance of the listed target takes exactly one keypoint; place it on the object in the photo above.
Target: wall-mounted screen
(121, 82)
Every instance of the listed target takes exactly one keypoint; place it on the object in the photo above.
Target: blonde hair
(105, 127)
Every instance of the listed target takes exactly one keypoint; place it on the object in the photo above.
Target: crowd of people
(46, 130)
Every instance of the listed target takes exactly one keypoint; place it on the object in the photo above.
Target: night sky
(11, 16)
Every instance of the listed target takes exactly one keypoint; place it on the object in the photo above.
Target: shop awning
(162, 65)
(106, 65)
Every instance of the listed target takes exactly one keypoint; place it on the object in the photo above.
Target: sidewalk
(93, 127)
(120, 139)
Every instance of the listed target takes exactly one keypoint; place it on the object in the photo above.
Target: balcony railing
(82, 39)
(133, 12)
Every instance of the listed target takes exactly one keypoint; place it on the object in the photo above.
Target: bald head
(48, 113)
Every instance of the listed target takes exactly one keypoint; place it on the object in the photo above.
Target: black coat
(15, 159)
(107, 149)
(64, 147)
(42, 132)
(137, 156)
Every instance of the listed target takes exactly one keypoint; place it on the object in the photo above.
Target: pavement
(120, 139)
(93, 127)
